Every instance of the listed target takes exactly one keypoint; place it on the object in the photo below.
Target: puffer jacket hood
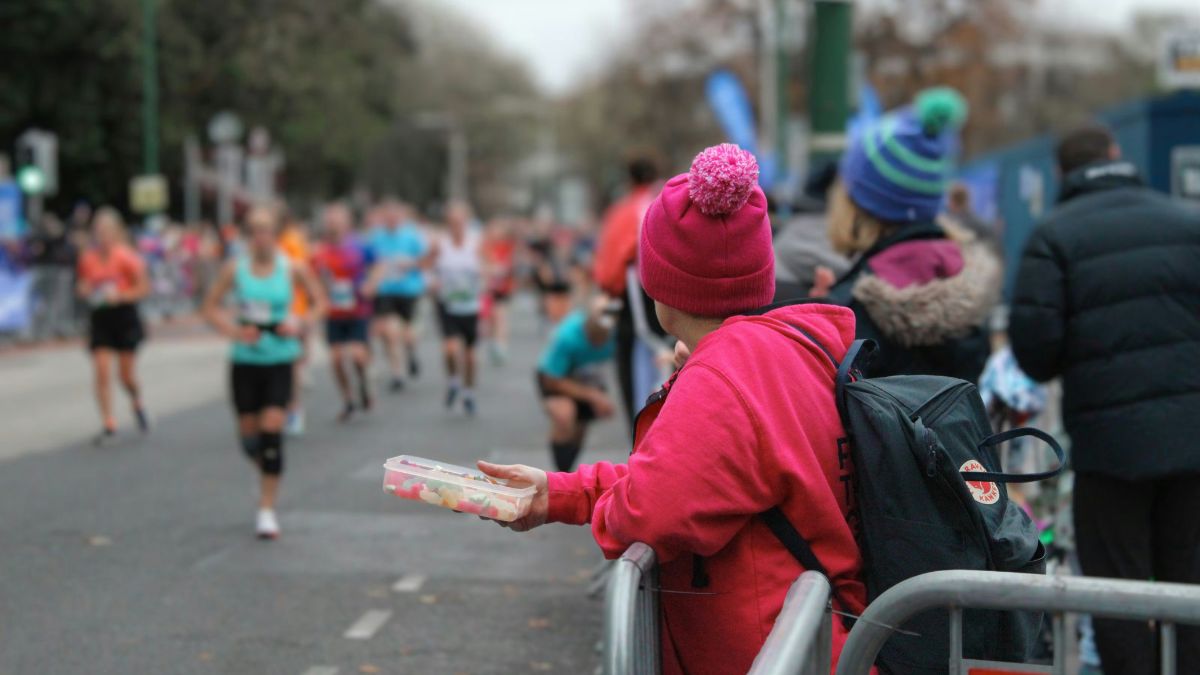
(925, 292)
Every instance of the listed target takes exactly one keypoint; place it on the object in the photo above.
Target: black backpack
(929, 495)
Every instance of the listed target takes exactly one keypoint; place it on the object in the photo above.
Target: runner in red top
(499, 249)
(112, 279)
(342, 264)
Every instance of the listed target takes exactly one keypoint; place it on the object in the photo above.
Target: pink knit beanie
(706, 240)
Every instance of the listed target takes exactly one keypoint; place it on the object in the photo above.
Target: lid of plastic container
(454, 474)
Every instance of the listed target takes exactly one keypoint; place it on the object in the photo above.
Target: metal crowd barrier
(956, 590)
(631, 644)
(801, 642)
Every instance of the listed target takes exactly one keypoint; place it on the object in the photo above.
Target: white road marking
(368, 624)
(321, 670)
(409, 583)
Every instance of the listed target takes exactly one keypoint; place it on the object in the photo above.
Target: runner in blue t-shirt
(401, 251)
(572, 389)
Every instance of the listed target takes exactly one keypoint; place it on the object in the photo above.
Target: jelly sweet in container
(455, 487)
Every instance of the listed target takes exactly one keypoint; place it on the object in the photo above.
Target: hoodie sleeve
(1037, 320)
(694, 479)
(573, 495)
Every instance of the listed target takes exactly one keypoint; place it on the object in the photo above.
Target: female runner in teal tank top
(265, 345)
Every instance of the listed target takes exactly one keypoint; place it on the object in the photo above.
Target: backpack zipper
(931, 454)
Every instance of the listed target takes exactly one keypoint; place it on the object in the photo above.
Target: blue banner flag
(732, 108)
(15, 305)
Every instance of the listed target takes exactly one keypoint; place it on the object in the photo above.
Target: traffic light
(31, 180)
(37, 162)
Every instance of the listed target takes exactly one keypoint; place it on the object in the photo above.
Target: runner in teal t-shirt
(572, 389)
(401, 251)
(264, 334)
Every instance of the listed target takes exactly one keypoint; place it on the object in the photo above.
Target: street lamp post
(829, 99)
(456, 150)
(149, 88)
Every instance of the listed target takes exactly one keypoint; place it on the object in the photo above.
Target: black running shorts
(256, 388)
(463, 326)
(118, 328)
(403, 306)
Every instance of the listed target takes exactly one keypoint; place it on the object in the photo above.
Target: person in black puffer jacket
(923, 295)
(1108, 298)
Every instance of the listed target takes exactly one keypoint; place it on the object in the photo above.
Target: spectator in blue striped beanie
(922, 293)
(897, 169)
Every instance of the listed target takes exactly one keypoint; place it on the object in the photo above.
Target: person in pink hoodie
(748, 423)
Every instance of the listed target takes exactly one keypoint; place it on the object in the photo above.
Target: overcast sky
(562, 39)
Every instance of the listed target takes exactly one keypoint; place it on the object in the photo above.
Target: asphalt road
(139, 558)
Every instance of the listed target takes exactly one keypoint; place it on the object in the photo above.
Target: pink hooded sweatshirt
(749, 423)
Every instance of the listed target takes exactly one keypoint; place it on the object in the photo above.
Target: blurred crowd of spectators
(180, 258)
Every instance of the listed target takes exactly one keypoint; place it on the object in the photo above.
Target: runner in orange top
(113, 279)
(293, 242)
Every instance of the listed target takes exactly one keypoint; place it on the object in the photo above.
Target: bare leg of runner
(361, 358)
(450, 351)
(102, 369)
(565, 434)
(391, 331)
(127, 371)
(337, 357)
(270, 424)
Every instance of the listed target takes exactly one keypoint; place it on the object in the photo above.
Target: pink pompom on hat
(706, 240)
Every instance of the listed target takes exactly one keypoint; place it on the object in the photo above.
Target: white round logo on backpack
(982, 492)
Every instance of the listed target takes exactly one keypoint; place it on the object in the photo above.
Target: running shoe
(143, 420)
(397, 385)
(105, 438)
(347, 413)
(414, 368)
(469, 405)
(497, 354)
(295, 423)
(267, 525)
(451, 397)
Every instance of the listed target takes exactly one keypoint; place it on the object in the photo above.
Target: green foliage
(335, 82)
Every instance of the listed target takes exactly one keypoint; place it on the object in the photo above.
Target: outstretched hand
(519, 475)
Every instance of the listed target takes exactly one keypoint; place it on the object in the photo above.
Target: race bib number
(399, 267)
(341, 294)
(461, 288)
(101, 294)
(257, 313)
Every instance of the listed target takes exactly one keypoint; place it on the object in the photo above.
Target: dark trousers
(1139, 530)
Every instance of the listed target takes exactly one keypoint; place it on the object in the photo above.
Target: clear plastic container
(455, 487)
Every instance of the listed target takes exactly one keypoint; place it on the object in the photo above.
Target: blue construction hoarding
(1016, 186)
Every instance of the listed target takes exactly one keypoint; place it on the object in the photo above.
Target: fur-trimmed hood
(939, 309)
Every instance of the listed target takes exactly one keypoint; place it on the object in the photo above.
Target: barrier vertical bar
(1167, 645)
(956, 638)
(1059, 623)
(823, 654)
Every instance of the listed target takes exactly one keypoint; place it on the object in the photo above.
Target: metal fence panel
(961, 589)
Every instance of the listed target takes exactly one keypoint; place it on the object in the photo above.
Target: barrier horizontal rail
(956, 590)
(801, 641)
(631, 643)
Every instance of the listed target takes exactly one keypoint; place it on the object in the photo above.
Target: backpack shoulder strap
(860, 352)
(797, 545)
(774, 518)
